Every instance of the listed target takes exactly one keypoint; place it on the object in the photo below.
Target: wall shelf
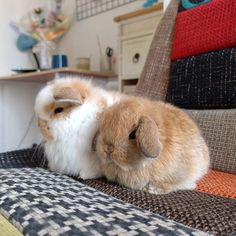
(44, 76)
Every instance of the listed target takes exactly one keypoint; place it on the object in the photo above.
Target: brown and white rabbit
(151, 146)
(67, 111)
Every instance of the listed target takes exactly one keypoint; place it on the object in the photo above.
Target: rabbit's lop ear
(147, 136)
(68, 95)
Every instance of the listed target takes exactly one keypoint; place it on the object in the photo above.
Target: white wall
(166, 3)
(16, 114)
(81, 40)
(16, 99)
(10, 56)
(1, 119)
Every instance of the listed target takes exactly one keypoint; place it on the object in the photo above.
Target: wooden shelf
(44, 76)
(156, 7)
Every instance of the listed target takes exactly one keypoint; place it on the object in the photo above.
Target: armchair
(39, 202)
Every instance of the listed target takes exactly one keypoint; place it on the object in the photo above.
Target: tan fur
(45, 130)
(49, 107)
(167, 154)
(70, 91)
(103, 104)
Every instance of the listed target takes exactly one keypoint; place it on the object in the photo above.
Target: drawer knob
(136, 57)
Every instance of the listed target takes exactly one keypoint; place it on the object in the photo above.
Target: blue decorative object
(149, 3)
(25, 42)
(59, 61)
(187, 4)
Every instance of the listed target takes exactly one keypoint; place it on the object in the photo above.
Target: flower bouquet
(38, 30)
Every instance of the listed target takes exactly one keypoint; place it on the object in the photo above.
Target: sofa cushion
(39, 202)
(207, 81)
(213, 214)
(218, 183)
(44, 190)
(208, 27)
(219, 130)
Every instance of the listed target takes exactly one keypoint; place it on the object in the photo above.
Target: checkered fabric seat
(39, 202)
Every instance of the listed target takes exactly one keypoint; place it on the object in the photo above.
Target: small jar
(83, 63)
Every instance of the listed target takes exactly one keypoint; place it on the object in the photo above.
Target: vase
(44, 50)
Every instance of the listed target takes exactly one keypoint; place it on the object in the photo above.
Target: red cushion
(209, 27)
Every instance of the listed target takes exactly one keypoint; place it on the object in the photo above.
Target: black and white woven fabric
(39, 202)
(207, 81)
(32, 157)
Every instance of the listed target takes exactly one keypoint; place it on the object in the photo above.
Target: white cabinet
(136, 30)
(134, 52)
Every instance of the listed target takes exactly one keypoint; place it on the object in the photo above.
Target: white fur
(45, 96)
(70, 152)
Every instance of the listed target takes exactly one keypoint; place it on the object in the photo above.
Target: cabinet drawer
(141, 25)
(129, 89)
(133, 56)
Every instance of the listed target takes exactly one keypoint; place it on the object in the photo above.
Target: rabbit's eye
(132, 135)
(58, 110)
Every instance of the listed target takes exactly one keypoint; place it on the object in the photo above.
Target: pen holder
(59, 61)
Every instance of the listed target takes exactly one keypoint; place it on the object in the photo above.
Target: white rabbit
(67, 111)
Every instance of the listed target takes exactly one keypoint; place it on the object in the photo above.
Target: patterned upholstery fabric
(218, 126)
(155, 76)
(218, 183)
(212, 214)
(32, 157)
(207, 81)
(205, 28)
(219, 130)
(39, 202)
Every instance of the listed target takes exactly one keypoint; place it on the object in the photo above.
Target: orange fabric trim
(218, 183)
